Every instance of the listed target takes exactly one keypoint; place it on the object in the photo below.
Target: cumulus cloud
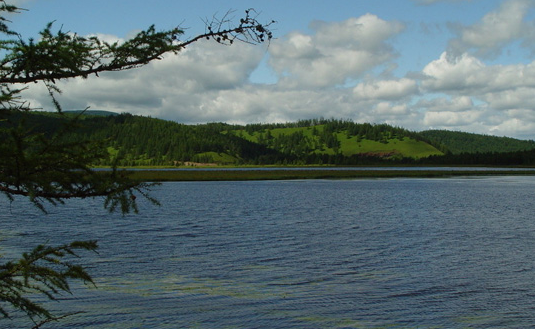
(109, 38)
(505, 96)
(453, 73)
(208, 82)
(336, 52)
(443, 104)
(451, 118)
(273, 104)
(495, 30)
(517, 98)
(514, 127)
(386, 89)
(387, 109)
(175, 82)
(470, 76)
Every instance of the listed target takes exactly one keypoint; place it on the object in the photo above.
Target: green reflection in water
(283, 288)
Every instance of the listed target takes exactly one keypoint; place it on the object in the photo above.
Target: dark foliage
(136, 140)
(461, 142)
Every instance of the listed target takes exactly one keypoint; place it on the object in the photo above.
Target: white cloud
(388, 109)
(178, 79)
(502, 87)
(338, 51)
(450, 118)
(367, 32)
(208, 82)
(441, 104)
(512, 99)
(253, 103)
(206, 65)
(386, 89)
(466, 71)
(514, 127)
(453, 74)
(495, 30)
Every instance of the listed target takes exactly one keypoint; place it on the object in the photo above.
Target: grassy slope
(348, 146)
(408, 147)
(219, 157)
(456, 142)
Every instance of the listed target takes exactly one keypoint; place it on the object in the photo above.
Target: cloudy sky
(466, 65)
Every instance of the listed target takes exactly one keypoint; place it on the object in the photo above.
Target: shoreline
(163, 175)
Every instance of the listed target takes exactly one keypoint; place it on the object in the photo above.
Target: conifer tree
(46, 169)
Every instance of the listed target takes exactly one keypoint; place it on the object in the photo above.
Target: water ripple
(403, 253)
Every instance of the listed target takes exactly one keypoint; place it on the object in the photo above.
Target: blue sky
(462, 65)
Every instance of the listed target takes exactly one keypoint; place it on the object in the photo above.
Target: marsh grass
(282, 174)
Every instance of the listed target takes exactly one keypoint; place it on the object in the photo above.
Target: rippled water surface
(400, 253)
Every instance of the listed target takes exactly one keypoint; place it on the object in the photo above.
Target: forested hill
(135, 140)
(461, 142)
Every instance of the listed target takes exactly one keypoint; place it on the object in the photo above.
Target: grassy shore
(281, 174)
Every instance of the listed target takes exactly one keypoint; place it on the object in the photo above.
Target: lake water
(371, 253)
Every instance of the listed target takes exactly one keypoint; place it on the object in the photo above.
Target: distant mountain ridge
(134, 140)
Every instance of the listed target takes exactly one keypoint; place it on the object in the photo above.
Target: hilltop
(92, 112)
(134, 140)
(462, 142)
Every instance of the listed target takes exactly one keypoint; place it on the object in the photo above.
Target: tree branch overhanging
(65, 55)
(43, 163)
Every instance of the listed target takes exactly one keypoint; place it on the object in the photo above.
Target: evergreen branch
(43, 271)
(80, 193)
(64, 55)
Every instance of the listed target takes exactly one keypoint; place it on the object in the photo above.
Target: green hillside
(461, 142)
(339, 137)
(143, 141)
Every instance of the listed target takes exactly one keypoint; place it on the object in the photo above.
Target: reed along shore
(331, 173)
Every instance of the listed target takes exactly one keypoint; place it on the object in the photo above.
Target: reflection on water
(403, 253)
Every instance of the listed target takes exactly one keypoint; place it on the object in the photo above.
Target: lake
(368, 253)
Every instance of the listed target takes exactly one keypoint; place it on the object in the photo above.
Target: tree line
(133, 140)
(461, 142)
